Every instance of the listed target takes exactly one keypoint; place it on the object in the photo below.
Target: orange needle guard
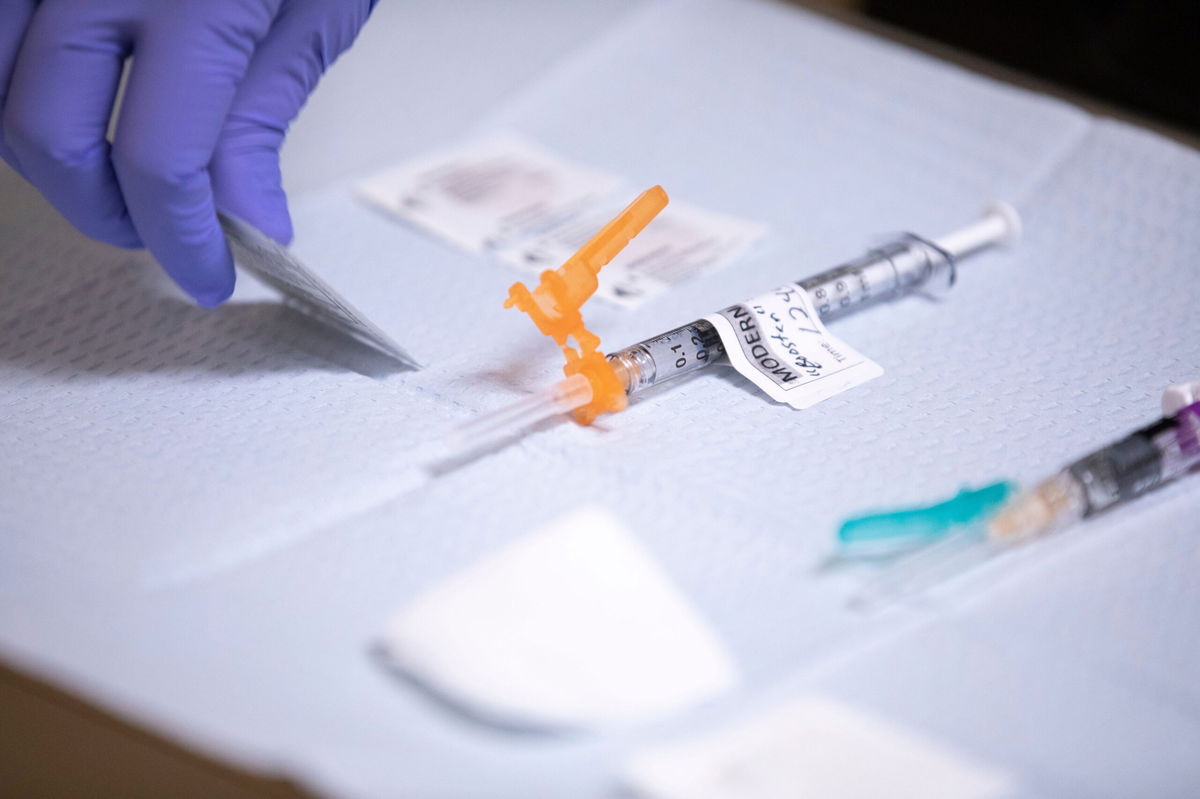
(555, 304)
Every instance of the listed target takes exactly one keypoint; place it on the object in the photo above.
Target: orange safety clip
(555, 304)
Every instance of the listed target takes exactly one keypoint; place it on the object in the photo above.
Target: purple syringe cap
(1183, 402)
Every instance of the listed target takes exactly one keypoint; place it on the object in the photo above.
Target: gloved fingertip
(211, 296)
(246, 179)
(277, 225)
(126, 238)
(10, 158)
(256, 200)
(211, 299)
(211, 284)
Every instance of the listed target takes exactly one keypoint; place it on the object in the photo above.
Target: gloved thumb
(304, 40)
(246, 179)
(17, 16)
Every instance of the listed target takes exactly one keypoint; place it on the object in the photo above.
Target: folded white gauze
(572, 626)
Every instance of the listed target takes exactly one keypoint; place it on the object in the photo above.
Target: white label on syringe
(777, 341)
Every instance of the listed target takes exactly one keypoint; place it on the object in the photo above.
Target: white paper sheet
(191, 508)
(482, 196)
(813, 748)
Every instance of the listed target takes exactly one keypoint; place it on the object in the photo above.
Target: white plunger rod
(1000, 225)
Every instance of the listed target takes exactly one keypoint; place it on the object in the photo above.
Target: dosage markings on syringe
(777, 341)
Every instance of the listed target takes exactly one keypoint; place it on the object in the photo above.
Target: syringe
(902, 266)
(905, 265)
(1115, 474)
(1112, 475)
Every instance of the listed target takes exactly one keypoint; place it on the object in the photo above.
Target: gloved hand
(212, 88)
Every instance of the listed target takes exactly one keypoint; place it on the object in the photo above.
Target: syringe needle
(491, 430)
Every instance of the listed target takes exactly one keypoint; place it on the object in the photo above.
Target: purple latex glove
(212, 88)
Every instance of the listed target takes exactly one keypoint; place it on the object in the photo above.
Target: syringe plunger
(1000, 226)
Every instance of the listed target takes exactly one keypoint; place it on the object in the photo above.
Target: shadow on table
(122, 323)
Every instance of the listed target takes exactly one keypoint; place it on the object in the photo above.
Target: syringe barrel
(1117, 473)
(899, 267)
(1140, 462)
(674, 353)
(889, 271)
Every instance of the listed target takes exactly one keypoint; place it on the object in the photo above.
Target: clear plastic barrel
(907, 264)
(673, 354)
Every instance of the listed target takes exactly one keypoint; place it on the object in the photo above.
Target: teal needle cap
(966, 508)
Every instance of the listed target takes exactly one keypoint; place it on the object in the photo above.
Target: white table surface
(210, 545)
